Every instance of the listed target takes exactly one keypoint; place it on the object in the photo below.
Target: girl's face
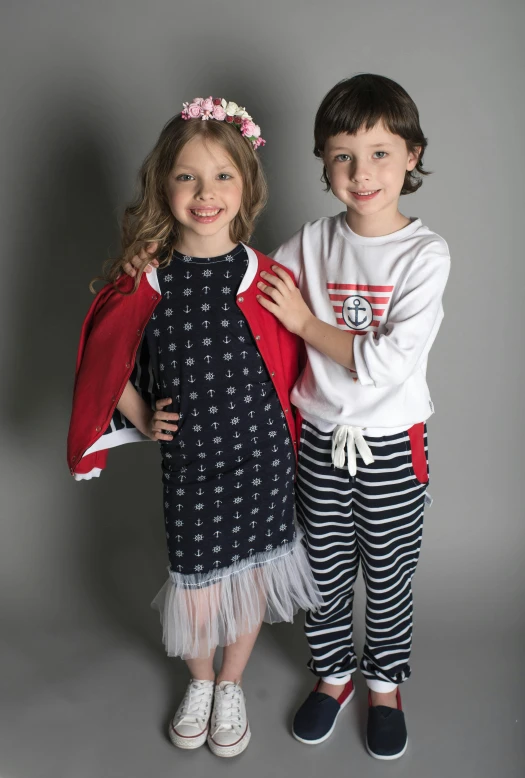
(204, 192)
(366, 172)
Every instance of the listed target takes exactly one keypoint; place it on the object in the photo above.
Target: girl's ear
(413, 157)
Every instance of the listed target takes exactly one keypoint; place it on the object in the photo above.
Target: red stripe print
(377, 300)
(361, 287)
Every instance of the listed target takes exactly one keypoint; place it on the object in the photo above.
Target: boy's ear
(413, 157)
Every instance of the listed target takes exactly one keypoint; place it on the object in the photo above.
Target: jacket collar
(246, 282)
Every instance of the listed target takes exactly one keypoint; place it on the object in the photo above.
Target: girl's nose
(205, 191)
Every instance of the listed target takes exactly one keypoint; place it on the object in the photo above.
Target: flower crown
(219, 109)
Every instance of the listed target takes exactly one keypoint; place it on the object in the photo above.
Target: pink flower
(207, 105)
(193, 110)
(197, 100)
(248, 128)
(218, 112)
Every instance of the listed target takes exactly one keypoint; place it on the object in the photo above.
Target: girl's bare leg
(235, 657)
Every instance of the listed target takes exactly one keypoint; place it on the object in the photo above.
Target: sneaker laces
(351, 438)
(195, 707)
(227, 711)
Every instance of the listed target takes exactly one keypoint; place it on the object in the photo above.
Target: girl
(191, 341)
(368, 306)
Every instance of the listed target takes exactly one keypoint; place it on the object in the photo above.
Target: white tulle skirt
(200, 612)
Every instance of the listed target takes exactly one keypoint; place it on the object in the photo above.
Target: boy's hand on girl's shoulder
(138, 260)
(286, 301)
(162, 423)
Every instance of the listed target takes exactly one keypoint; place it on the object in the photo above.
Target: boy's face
(366, 171)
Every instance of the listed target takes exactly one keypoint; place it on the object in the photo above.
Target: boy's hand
(162, 421)
(139, 259)
(286, 301)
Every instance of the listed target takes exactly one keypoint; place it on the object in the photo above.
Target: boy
(368, 306)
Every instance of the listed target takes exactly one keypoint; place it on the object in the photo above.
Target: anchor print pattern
(228, 474)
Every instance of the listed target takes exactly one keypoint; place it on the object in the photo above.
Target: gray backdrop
(85, 687)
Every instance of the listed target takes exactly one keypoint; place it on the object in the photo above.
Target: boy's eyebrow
(372, 146)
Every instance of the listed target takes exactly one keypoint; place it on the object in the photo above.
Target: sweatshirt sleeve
(290, 254)
(389, 358)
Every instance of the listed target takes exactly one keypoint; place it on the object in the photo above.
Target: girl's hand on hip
(286, 302)
(162, 422)
(143, 256)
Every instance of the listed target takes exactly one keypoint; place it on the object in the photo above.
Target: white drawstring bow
(350, 438)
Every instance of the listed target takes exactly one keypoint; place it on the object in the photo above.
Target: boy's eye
(342, 158)
(184, 177)
(382, 153)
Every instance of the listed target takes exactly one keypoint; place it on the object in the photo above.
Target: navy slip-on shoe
(386, 732)
(315, 720)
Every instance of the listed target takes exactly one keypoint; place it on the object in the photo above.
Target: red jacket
(109, 340)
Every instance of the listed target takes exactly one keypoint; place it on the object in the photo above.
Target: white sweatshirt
(388, 291)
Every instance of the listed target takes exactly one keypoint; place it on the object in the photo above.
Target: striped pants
(376, 518)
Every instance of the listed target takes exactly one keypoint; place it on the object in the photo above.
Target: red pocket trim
(417, 447)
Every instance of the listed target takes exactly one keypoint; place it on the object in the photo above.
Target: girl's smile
(204, 192)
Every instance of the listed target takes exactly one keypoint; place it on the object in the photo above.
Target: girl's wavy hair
(149, 219)
(363, 101)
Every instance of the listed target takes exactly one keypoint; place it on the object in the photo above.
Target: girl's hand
(162, 421)
(286, 301)
(139, 259)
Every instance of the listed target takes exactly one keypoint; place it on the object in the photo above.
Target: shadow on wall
(114, 558)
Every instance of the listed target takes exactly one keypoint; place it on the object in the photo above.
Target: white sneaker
(229, 729)
(189, 726)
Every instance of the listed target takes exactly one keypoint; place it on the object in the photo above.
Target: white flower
(231, 109)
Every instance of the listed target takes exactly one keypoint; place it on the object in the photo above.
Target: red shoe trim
(347, 691)
(398, 699)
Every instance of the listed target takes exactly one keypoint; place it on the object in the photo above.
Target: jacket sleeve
(389, 358)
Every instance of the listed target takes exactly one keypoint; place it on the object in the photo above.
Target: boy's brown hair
(362, 102)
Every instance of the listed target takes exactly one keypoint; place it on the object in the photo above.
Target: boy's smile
(366, 172)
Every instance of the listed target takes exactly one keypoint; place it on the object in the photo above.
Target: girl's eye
(342, 158)
(184, 177)
(224, 176)
(383, 154)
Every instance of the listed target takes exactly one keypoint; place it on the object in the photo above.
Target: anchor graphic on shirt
(357, 312)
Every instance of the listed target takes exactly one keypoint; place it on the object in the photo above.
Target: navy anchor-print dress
(228, 474)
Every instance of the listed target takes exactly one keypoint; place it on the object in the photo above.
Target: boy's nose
(359, 172)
